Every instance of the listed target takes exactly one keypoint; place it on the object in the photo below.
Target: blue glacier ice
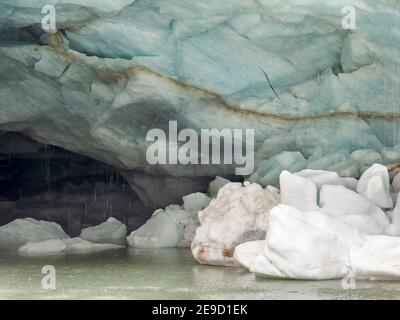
(314, 92)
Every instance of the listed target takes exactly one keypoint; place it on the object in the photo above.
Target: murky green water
(163, 274)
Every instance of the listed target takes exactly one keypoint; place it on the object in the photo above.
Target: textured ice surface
(120, 68)
(163, 230)
(315, 245)
(21, 231)
(340, 201)
(317, 96)
(298, 192)
(172, 227)
(238, 214)
(320, 246)
(57, 247)
(247, 252)
(175, 226)
(321, 177)
(111, 231)
(374, 185)
(194, 202)
(342, 233)
(268, 171)
(43, 248)
(377, 258)
(42, 238)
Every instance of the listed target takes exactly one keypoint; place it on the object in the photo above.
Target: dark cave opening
(49, 183)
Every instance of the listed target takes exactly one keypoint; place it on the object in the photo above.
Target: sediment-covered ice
(238, 214)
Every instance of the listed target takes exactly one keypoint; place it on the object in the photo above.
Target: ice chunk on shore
(345, 232)
(378, 258)
(364, 223)
(246, 253)
(81, 246)
(340, 201)
(195, 202)
(43, 248)
(297, 191)
(238, 214)
(173, 227)
(315, 245)
(321, 177)
(63, 247)
(21, 231)
(375, 186)
(111, 231)
(164, 229)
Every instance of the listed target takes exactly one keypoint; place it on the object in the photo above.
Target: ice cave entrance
(49, 183)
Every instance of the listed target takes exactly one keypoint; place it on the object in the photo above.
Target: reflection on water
(163, 274)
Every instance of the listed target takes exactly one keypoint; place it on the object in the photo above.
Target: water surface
(163, 274)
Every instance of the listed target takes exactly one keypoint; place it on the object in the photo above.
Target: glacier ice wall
(117, 68)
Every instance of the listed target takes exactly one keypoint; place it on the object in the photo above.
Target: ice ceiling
(117, 68)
